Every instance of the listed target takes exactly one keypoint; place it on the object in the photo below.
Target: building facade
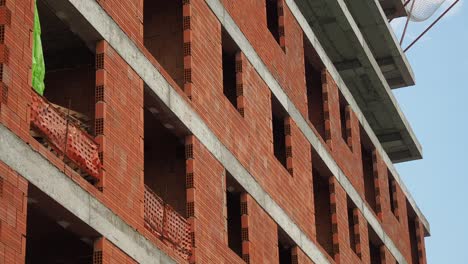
(206, 131)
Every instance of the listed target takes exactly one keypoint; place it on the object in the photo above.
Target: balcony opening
(285, 247)
(164, 156)
(313, 75)
(167, 181)
(393, 194)
(54, 235)
(163, 35)
(345, 133)
(368, 170)
(375, 245)
(279, 133)
(272, 15)
(323, 218)
(353, 227)
(63, 119)
(413, 235)
(70, 76)
(230, 51)
(234, 213)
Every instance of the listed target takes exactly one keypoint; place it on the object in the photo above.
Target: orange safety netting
(65, 137)
(163, 221)
(154, 212)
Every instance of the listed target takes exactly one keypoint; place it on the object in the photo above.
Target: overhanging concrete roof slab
(383, 43)
(347, 48)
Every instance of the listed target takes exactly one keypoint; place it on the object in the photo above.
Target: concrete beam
(31, 165)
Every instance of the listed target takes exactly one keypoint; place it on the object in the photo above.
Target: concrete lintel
(19, 156)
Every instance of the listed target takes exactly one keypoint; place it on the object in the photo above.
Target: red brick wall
(122, 137)
(262, 235)
(14, 109)
(387, 257)
(347, 157)
(286, 66)
(209, 218)
(393, 226)
(13, 205)
(302, 258)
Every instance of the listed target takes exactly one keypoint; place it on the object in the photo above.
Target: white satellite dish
(421, 10)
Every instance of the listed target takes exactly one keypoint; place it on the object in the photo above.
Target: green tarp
(38, 65)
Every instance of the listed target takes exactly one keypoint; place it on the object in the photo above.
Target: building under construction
(205, 131)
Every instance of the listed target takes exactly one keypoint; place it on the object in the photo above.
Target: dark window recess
(353, 237)
(313, 77)
(273, 18)
(375, 254)
(54, 235)
(165, 156)
(234, 222)
(285, 246)
(163, 26)
(413, 240)
(229, 50)
(279, 135)
(322, 211)
(368, 170)
(234, 213)
(374, 246)
(412, 233)
(343, 105)
(392, 190)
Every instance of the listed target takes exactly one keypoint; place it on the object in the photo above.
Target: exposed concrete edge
(347, 94)
(402, 60)
(112, 33)
(31, 165)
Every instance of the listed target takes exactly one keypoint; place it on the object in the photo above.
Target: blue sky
(436, 107)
